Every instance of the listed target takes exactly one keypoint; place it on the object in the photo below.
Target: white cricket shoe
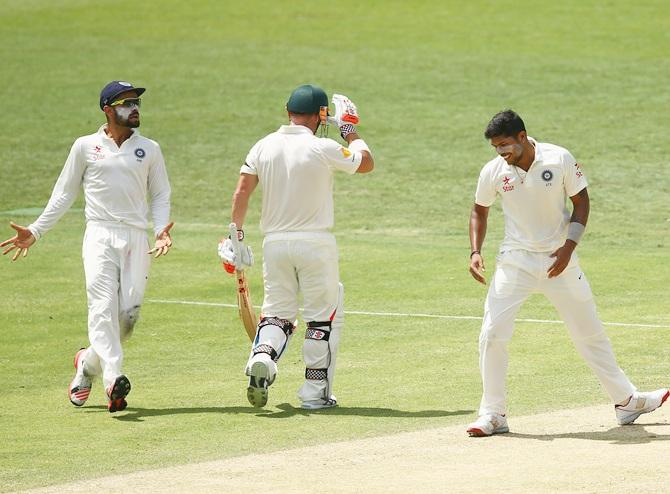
(640, 403)
(487, 425)
(320, 403)
(260, 377)
(80, 387)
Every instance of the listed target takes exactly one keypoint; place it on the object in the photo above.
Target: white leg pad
(320, 352)
(272, 338)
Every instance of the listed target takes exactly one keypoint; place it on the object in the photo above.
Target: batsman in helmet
(294, 168)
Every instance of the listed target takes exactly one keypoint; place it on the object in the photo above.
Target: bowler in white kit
(294, 169)
(534, 181)
(124, 180)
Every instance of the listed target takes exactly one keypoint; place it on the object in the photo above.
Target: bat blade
(246, 310)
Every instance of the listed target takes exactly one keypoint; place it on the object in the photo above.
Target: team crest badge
(547, 175)
(140, 153)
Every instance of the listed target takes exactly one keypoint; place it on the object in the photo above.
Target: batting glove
(346, 114)
(227, 255)
(232, 251)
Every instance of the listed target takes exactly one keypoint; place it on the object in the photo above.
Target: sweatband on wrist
(358, 145)
(575, 231)
(347, 129)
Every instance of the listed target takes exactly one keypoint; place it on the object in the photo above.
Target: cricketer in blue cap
(125, 181)
(114, 88)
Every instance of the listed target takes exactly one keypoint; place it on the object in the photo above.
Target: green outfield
(426, 76)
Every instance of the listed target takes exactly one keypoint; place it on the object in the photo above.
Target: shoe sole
(475, 432)
(632, 418)
(83, 396)
(257, 392)
(120, 390)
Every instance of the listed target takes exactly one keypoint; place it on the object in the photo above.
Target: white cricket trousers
(116, 266)
(519, 274)
(305, 263)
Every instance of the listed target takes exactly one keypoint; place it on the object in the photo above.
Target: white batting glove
(243, 257)
(346, 114)
(226, 251)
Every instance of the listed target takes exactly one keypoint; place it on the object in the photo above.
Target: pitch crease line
(410, 314)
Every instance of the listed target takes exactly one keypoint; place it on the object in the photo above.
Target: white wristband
(575, 231)
(358, 145)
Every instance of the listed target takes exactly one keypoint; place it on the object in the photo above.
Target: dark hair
(506, 123)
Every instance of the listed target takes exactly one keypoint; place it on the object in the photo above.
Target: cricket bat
(246, 310)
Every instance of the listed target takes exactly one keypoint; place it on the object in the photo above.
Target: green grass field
(426, 76)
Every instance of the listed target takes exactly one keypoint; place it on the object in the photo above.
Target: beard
(125, 117)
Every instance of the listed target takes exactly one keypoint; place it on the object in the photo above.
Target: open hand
(562, 255)
(20, 242)
(163, 242)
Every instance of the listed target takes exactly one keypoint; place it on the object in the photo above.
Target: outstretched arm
(580, 215)
(478, 222)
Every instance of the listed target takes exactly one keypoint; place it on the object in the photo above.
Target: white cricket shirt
(536, 213)
(295, 172)
(116, 182)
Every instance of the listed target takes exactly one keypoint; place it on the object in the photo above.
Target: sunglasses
(127, 102)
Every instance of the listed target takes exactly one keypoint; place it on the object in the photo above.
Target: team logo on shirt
(578, 170)
(345, 152)
(547, 175)
(97, 153)
(506, 184)
(140, 153)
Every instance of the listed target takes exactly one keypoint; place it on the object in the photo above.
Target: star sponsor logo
(507, 187)
(578, 170)
(97, 154)
(345, 152)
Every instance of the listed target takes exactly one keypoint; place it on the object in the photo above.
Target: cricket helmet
(307, 99)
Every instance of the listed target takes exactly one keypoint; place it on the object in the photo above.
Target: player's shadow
(629, 434)
(285, 410)
(288, 410)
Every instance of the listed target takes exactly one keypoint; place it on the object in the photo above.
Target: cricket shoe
(117, 393)
(320, 403)
(80, 387)
(487, 425)
(640, 403)
(260, 378)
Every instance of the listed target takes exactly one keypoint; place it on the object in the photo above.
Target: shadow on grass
(285, 410)
(629, 434)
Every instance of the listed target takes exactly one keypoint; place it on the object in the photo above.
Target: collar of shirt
(538, 151)
(102, 133)
(294, 129)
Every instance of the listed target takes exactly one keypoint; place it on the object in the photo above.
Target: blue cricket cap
(114, 88)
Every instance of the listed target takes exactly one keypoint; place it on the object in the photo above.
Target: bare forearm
(478, 224)
(245, 187)
(239, 209)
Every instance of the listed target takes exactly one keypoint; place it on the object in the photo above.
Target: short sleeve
(575, 180)
(339, 157)
(250, 165)
(486, 192)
